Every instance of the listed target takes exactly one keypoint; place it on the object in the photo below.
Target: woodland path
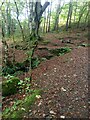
(63, 79)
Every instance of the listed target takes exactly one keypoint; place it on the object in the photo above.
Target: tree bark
(39, 9)
(69, 15)
(58, 11)
(23, 37)
(81, 14)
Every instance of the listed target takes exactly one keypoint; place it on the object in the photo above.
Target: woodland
(44, 59)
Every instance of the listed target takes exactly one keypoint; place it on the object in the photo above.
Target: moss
(85, 45)
(45, 42)
(18, 111)
(10, 86)
(60, 51)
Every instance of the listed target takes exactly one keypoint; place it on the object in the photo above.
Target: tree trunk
(23, 37)
(36, 11)
(69, 15)
(58, 11)
(39, 9)
(81, 14)
(71, 9)
(49, 17)
(8, 12)
(44, 22)
(75, 12)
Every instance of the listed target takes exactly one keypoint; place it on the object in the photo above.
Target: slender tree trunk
(49, 24)
(47, 21)
(23, 37)
(5, 58)
(13, 57)
(8, 12)
(58, 11)
(44, 27)
(36, 11)
(75, 11)
(69, 15)
(81, 14)
(4, 20)
(71, 10)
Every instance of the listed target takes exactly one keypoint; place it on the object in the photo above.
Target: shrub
(60, 51)
(21, 107)
(10, 86)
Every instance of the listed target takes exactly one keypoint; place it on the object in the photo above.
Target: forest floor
(63, 79)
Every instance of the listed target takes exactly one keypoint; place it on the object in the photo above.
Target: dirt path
(64, 81)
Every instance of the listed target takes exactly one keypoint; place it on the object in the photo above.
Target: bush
(60, 51)
(21, 108)
(10, 86)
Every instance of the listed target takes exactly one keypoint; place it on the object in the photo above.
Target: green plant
(35, 62)
(8, 70)
(20, 107)
(10, 86)
(85, 45)
(24, 85)
(45, 42)
(60, 51)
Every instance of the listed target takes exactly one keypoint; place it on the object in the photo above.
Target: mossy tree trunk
(36, 11)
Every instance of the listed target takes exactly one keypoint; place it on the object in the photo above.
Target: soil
(63, 79)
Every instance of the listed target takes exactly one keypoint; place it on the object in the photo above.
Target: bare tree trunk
(75, 12)
(5, 45)
(5, 58)
(23, 37)
(57, 16)
(71, 10)
(81, 14)
(4, 19)
(36, 11)
(86, 17)
(49, 17)
(44, 21)
(58, 11)
(13, 57)
(39, 9)
(8, 12)
(69, 15)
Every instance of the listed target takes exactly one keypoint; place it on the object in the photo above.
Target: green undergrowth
(21, 107)
(61, 51)
(13, 84)
(45, 42)
(84, 45)
(20, 68)
(10, 86)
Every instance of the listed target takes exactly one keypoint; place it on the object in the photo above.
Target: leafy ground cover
(63, 78)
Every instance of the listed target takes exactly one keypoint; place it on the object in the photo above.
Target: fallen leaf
(63, 89)
(23, 109)
(38, 96)
(62, 116)
(52, 112)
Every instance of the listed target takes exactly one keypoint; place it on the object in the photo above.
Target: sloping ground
(64, 81)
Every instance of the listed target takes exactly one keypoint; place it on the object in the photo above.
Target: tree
(17, 11)
(58, 11)
(68, 23)
(84, 7)
(75, 10)
(38, 10)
